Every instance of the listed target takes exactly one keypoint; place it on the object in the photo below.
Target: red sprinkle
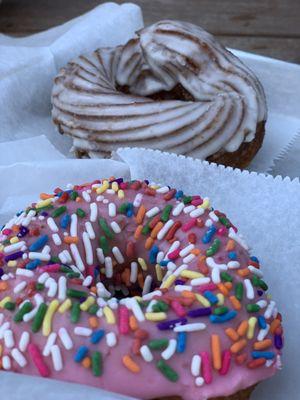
(38, 360)
(189, 225)
(50, 268)
(173, 230)
(170, 195)
(256, 363)
(226, 359)
(178, 308)
(174, 254)
(208, 286)
(192, 238)
(130, 250)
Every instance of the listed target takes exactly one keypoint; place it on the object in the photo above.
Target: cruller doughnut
(138, 289)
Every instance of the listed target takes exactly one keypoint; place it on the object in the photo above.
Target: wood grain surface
(267, 27)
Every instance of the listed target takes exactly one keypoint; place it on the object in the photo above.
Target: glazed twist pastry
(173, 87)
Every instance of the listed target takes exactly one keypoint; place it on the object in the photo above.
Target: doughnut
(135, 288)
(173, 87)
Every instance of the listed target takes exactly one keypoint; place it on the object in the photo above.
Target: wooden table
(268, 27)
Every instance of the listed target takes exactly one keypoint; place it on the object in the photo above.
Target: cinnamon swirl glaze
(173, 87)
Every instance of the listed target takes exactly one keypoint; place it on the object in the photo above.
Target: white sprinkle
(136, 309)
(9, 340)
(89, 257)
(199, 381)
(108, 267)
(94, 212)
(73, 226)
(233, 235)
(46, 249)
(170, 350)
(174, 246)
(171, 266)
(197, 213)
(102, 291)
(213, 216)
(181, 268)
(216, 276)
(249, 289)
(43, 277)
(86, 196)
(188, 258)
(112, 210)
(39, 256)
(31, 314)
(65, 338)
(186, 250)
(62, 288)
(1, 318)
(87, 281)
(147, 285)
(150, 295)
(100, 255)
(18, 357)
(6, 363)
(159, 257)
(255, 271)
(50, 342)
(208, 222)
(24, 341)
(77, 257)
(212, 264)
(262, 303)
(196, 365)
(21, 286)
(164, 230)
(90, 230)
(188, 209)
(233, 265)
(115, 227)
(198, 326)
(163, 189)
(62, 257)
(56, 358)
(269, 363)
(28, 218)
(51, 285)
(82, 331)
(152, 212)
(270, 309)
(150, 305)
(146, 353)
(118, 255)
(24, 272)
(137, 200)
(177, 210)
(111, 339)
(263, 333)
(99, 198)
(56, 239)
(13, 247)
(52, 225)
(200, 281)
(181, 288)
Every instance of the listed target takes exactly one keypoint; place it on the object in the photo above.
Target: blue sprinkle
(81, 353)
(181, 342)
(179, 194)
(232, 255)
(210, 297)
(255, 259)
(59, 194)
(129, 211)
(209, 234)
(268, 355)
(19, 213)
(262, 322)
(64, 221)
(153, 254)
(97, 336)
(39, 244)
(33, 264)
(164, 263)
(220, 319)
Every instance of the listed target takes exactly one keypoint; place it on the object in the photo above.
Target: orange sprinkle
(93, 322)
(196, 252)
(216, 351)
(140, 280)
(78, 199)
(264, 344)
(93, 289)
(136, 345)
(15, 228)
(140, 215)
(223, 289)
(149, 242)
(256, 363)
(3, 286)
(126, 277)
(241, 358)
(238, 346)
(156, 229)
(71, 239)
(274, 324)
(138, 232)
(86, 362)
(188, 294)
(230, 245)
(235, 303)
(243, 272)
(45, 196)
(228, 285)
(243, 328)
(130, 364)
(133, 323)
(231, 333)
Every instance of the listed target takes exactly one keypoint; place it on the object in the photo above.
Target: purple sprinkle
(179, 282)
(199, 312)
(1, 272)
(260, 292)
(278, 342)
(13, 256)
(23, 231)
(118, 180)
(82, 300)
(165, 325)
(146, 181)
(44, 214)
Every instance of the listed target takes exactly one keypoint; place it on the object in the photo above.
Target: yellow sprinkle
(48, 317)
(205, 204)
(142, 263)
(109, 315)
(66, 305)
(44, 203)
(202, 300)
(154, 187)
(158, 271)
(156, 316)
(103, 187)
(251, 326)
(4, 301)
(138, 298)
(121, 194)
(87, 303)
(1, 248)
(168, 282)
(191, 274)
(12, 263)
(14, 239)
(220, 297)
(0, 350)
(115, 186)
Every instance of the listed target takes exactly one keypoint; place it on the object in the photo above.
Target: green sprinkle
(213, 248)
(220, 310)
(39, 317)
(39, 286)
(75, 312)
(158, 344)
(48, 207)
(10, 306)
(97, 363)
(71, 275)
(54, 260)
(166, 213)
(263, 285)
(76, 293)
(65, 269)
(74, 195)
(239, 291)
(146, 229)
(80, 213)
(160, 306)
(104, 245)
(59, 211)
(255, 281)
(187, 199)
(226, 277)
(107, 231)
(93, 309)
(123, 208)
(26, 308)
(252, 308)
(224, 221)
(167, 371)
